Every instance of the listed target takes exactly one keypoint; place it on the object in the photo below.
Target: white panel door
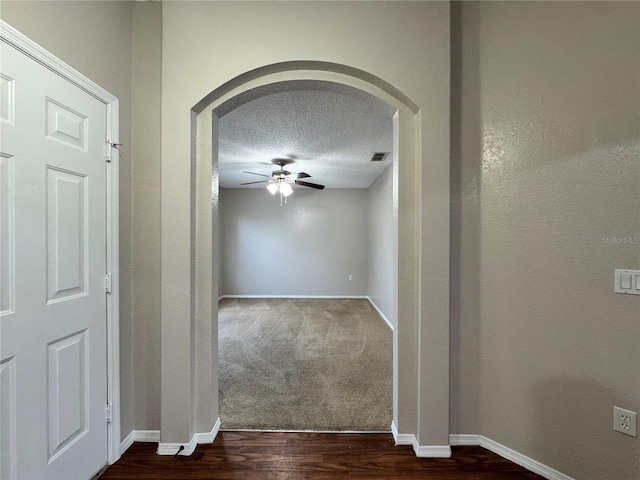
(53, 345)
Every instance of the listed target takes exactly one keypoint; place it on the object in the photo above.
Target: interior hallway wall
(382, 260)
(465, 221)
(307, 247)
(145, 259)
(548, 184)
(95, 38)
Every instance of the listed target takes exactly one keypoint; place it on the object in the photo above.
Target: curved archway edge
(302, 66)
(408, 351)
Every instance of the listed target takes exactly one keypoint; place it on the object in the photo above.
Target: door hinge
(107, 152)
(107, 282)
(108, 413)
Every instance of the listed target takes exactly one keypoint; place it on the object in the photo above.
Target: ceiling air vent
(379, 156)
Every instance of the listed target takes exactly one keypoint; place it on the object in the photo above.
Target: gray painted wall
(381, 256)
(307, 247)
(546, 169)
(145, 213)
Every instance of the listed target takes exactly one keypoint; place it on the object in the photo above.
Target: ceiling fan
(281, 181)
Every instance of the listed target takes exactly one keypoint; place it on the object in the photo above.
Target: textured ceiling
(329, 130)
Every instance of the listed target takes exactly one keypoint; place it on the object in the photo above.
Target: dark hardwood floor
(294, 456)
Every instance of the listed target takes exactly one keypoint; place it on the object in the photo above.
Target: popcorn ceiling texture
(330, 131)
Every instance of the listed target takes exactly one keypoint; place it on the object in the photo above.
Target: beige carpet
(304, 364)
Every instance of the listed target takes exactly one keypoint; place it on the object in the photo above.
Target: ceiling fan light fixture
(282, 181)
(285, 189)
(273, 188)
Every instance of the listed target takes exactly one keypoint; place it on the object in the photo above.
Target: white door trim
(13, 37)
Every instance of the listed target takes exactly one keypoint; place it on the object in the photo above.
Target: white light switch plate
(627, 281)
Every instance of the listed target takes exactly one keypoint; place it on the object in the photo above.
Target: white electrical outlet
(624, 421)
(351, 278)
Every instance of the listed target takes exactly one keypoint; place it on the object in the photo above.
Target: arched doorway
(417, 412)
(405, 191)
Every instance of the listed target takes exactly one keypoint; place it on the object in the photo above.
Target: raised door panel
(66, 234)
(66, 126)
(8, 419)
(7, 103)
(67, 392)
(7, 235)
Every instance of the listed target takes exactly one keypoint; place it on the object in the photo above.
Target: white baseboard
(189, 448)
(506, 452)
(127, 442)
(167, 448)
(466, 439)
(139, 436)
(208, 437)
(293, 296)
(146, 436)
(432, 451)
(423, 451)
(401, 438)
(384, 317)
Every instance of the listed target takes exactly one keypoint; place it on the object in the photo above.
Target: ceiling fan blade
(303, 175)
(251, 183)
(308, 184)
(259, 174)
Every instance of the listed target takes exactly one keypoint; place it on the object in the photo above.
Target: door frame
(23, 44)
